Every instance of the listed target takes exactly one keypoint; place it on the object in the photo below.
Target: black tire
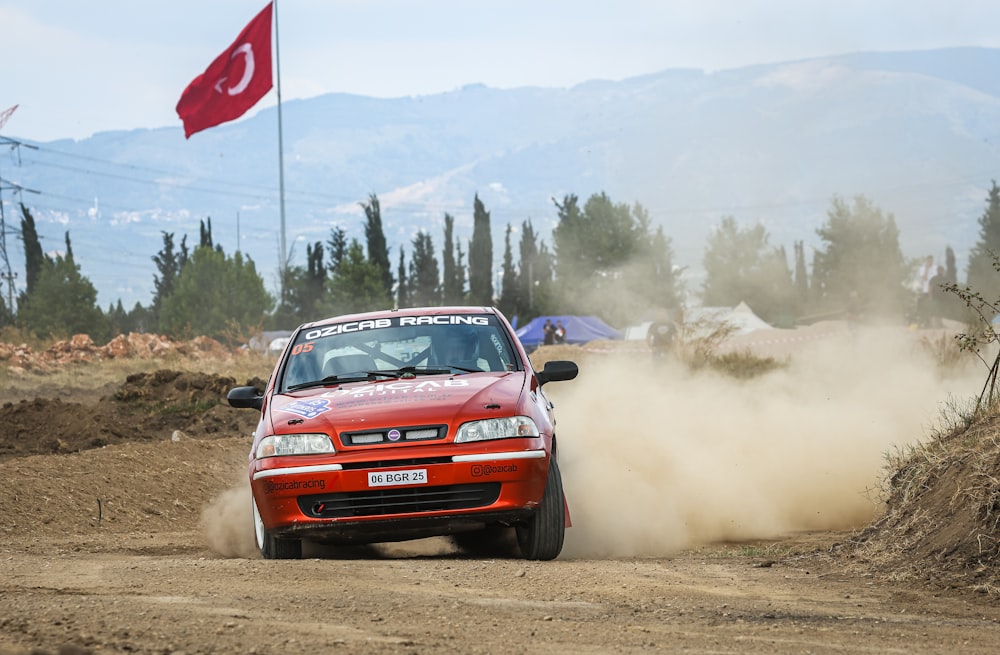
(272, 547)
(541, 538)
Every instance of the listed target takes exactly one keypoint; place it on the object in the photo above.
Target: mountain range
(915, 132)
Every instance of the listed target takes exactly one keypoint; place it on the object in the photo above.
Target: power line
(8, 274)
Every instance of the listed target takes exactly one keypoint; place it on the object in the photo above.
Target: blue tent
(579, 329)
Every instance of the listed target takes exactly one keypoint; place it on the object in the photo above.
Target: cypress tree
(378, 251)
(481, 257)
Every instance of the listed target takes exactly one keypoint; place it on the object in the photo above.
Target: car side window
(302, 367)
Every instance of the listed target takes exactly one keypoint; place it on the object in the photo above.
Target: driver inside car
(457, 347)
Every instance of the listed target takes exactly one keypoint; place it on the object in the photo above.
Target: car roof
(410, 311)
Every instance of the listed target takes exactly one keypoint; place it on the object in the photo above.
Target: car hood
(423, 400)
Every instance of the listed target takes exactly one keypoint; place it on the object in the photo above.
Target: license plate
(393, 478)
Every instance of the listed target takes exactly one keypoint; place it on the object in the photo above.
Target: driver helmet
(455, 345)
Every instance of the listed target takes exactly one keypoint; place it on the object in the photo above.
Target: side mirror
(555, 371)
(245, 398)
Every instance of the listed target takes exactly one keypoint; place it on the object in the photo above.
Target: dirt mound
(81, 348)
(165, 387)
(942, 519)
(153, 406)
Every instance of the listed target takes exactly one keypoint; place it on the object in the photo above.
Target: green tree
(337, 246)
(357, 285)
(861, 255)
(951, 305)
(117, 318)
(425, 277)
(453, 280)
(527, 250)
(205, 233)
(33, 256)
(315, 277)
(402, 287)
(460, 278)
(591, 243)
(980, 273)
(6, 315)
(646, 279)
(139, 319)
(544, 291)
(534, 275)
(378, 251)
(169, 263)
(609, 262)
(212, 293)
(510, 299)
(950, 269)
(481, 257)
(303, 287)
(62, 302)
(740, 266)
(597, 238)
(288, 312)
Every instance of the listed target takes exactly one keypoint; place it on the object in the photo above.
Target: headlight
(497, 428)
(294, 444)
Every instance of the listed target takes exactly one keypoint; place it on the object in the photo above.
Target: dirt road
(126, 530)
(164, 594)
(150, 570)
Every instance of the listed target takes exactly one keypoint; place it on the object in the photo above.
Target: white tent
(740, 318)
(745, 321)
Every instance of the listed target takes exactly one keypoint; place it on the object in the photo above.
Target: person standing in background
(661, 335)
(560, 332)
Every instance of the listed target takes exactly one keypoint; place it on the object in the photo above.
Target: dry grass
(948, 354)
(11, 334)
(942, 507)
(742, 365)
(701, 348)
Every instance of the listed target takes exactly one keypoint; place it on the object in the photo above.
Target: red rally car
(404, 424)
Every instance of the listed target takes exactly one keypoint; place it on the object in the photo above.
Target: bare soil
(126, 529)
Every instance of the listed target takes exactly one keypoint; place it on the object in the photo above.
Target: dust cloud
(657, 461)
(227, 522)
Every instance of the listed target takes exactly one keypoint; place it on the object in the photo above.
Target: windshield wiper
(442, 369)
(464, 369)
(339, 379)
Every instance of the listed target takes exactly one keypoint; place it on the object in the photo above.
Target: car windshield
(395, 346)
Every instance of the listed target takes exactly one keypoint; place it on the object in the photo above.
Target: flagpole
(281, 154)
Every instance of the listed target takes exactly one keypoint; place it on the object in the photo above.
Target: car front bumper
(359, 502)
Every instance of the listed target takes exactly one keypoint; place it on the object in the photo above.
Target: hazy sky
(76, 68)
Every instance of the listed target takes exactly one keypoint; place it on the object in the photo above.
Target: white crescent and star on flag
(246, 51)
(235, 80)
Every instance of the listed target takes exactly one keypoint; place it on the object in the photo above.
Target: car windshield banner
(396, 321)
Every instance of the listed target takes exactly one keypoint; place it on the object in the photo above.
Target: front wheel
(274, 547)
(541, 538)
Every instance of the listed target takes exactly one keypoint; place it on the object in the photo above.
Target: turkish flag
(234, 82)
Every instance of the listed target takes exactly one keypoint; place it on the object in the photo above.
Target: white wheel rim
(258, 526)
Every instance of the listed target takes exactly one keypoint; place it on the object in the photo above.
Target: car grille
(379, 502)
(394, 435)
